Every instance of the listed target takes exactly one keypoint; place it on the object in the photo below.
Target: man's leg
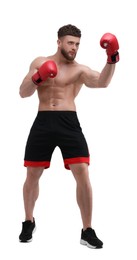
(30, 193)
(84, 199)
(84, 192)
(31, 190)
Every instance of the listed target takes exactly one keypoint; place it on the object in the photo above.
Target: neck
(61, 59)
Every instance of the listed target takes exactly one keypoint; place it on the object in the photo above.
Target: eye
(70, 43)
(77, 44)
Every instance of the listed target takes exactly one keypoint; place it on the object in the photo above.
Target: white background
(107, 116)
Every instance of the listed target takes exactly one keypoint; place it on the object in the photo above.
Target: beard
(67, 56)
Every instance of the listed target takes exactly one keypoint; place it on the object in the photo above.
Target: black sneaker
(28, 228)
(89, 238)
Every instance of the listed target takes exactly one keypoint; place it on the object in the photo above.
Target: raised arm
(100, 80)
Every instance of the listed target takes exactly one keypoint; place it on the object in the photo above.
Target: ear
(58, 42)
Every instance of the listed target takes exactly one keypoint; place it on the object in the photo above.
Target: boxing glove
(110, 43)
(47, 70)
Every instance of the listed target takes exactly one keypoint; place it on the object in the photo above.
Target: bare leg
(84, 192)
(31, 190)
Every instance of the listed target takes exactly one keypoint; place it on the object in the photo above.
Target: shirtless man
(58, 79)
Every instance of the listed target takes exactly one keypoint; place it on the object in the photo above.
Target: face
(68, 46)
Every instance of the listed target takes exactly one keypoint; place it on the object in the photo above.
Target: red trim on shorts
(76, 160)
(45, 164)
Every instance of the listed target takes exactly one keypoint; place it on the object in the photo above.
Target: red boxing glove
(47, 70)
(110, 43)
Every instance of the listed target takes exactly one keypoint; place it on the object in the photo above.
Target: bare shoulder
(87, 71)
(82, 68)
(37, 62)
(85, 68)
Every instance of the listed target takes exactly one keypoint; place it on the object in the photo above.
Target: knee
(34, 174)
(80, 172)
(79, 169)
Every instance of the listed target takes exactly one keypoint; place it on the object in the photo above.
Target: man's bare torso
(59, 93)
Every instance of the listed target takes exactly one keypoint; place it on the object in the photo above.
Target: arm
(27, 87)
(96, 79)
(106, 75)
(37, 76)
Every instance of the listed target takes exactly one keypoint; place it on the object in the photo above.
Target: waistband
(44, 112)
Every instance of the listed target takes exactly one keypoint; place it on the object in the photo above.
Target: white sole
(85, 243)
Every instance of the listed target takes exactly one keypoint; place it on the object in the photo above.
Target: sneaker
(28, 228)
(89, 238)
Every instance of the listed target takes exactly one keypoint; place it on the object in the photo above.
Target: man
(58, 79)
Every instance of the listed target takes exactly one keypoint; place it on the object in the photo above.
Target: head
(68, 41)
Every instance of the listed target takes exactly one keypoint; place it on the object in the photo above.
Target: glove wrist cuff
(112, 59)
(36, 79)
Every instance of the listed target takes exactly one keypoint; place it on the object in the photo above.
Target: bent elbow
(21, 94)
(103, 83)
(104, 86)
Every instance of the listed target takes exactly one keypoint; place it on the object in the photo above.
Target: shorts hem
(44, 164)
(75, 161)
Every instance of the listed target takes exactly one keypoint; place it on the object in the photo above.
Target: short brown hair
(69, 30)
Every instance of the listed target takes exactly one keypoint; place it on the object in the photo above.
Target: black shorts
(51, 129)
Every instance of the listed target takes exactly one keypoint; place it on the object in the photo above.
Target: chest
(67, 76)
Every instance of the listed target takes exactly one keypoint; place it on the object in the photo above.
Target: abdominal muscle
(54, 100)
(54, 104)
